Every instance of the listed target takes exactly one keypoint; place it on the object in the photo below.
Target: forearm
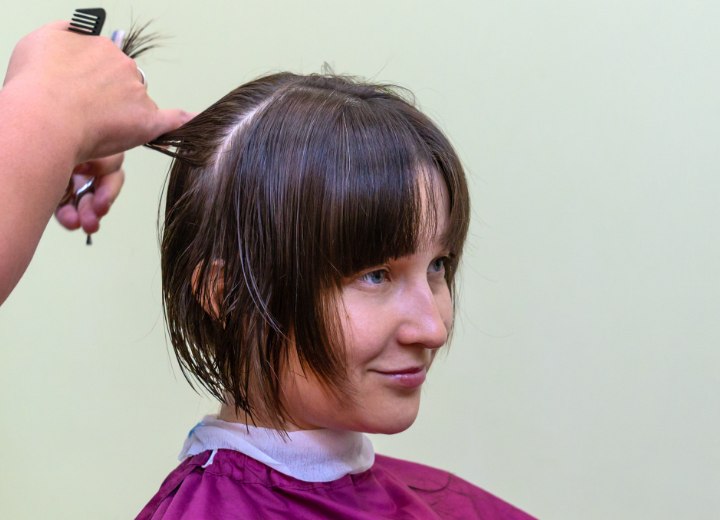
(38, 151)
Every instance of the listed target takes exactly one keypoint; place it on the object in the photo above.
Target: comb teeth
(88, 21)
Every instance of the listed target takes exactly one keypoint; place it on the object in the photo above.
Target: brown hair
(278, 192)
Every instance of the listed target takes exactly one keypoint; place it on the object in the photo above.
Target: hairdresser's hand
(66, 99)
(92, 90)
(109, 178)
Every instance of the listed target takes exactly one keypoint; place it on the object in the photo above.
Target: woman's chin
(391, 424)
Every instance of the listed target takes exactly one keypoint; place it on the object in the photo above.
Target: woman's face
(395, 317)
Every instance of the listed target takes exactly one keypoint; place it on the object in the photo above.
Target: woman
(312, 233)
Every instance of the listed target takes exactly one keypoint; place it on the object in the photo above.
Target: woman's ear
(212, 291)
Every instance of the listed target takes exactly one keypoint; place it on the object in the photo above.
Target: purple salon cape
(232, 485)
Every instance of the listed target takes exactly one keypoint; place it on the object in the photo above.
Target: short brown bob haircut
(278, 193)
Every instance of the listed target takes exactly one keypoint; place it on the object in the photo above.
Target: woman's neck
(309, 455)
(229, 413)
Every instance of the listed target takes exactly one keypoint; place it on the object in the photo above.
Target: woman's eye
(375, 277)
(438, 265)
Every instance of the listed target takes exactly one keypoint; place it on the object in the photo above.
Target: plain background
(583, 377)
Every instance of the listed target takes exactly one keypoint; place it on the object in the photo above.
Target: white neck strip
(308, 455)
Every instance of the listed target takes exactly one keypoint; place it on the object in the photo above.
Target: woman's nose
(426, 317)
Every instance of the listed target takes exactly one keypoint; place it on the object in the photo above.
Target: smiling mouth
(411, 377)
(410, 370)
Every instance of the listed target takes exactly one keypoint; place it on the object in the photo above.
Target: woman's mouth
(410, 377)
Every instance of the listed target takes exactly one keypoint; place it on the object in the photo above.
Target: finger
(107, 189)
(67, 214)
(68, 217)
(100, 167)
(88, 219)
(106, 165)
(167, 120)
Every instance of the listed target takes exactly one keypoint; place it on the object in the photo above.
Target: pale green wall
(584, 376)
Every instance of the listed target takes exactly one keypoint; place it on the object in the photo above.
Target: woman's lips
(411, 377)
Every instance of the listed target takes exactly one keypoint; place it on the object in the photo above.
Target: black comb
(88, 21)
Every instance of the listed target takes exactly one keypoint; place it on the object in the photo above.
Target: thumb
(168, 120)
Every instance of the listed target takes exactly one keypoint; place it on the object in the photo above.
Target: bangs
(360, 180)
(385, 205)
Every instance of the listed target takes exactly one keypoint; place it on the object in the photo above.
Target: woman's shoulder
(447, 493)
(223, 484)
(228, 484)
